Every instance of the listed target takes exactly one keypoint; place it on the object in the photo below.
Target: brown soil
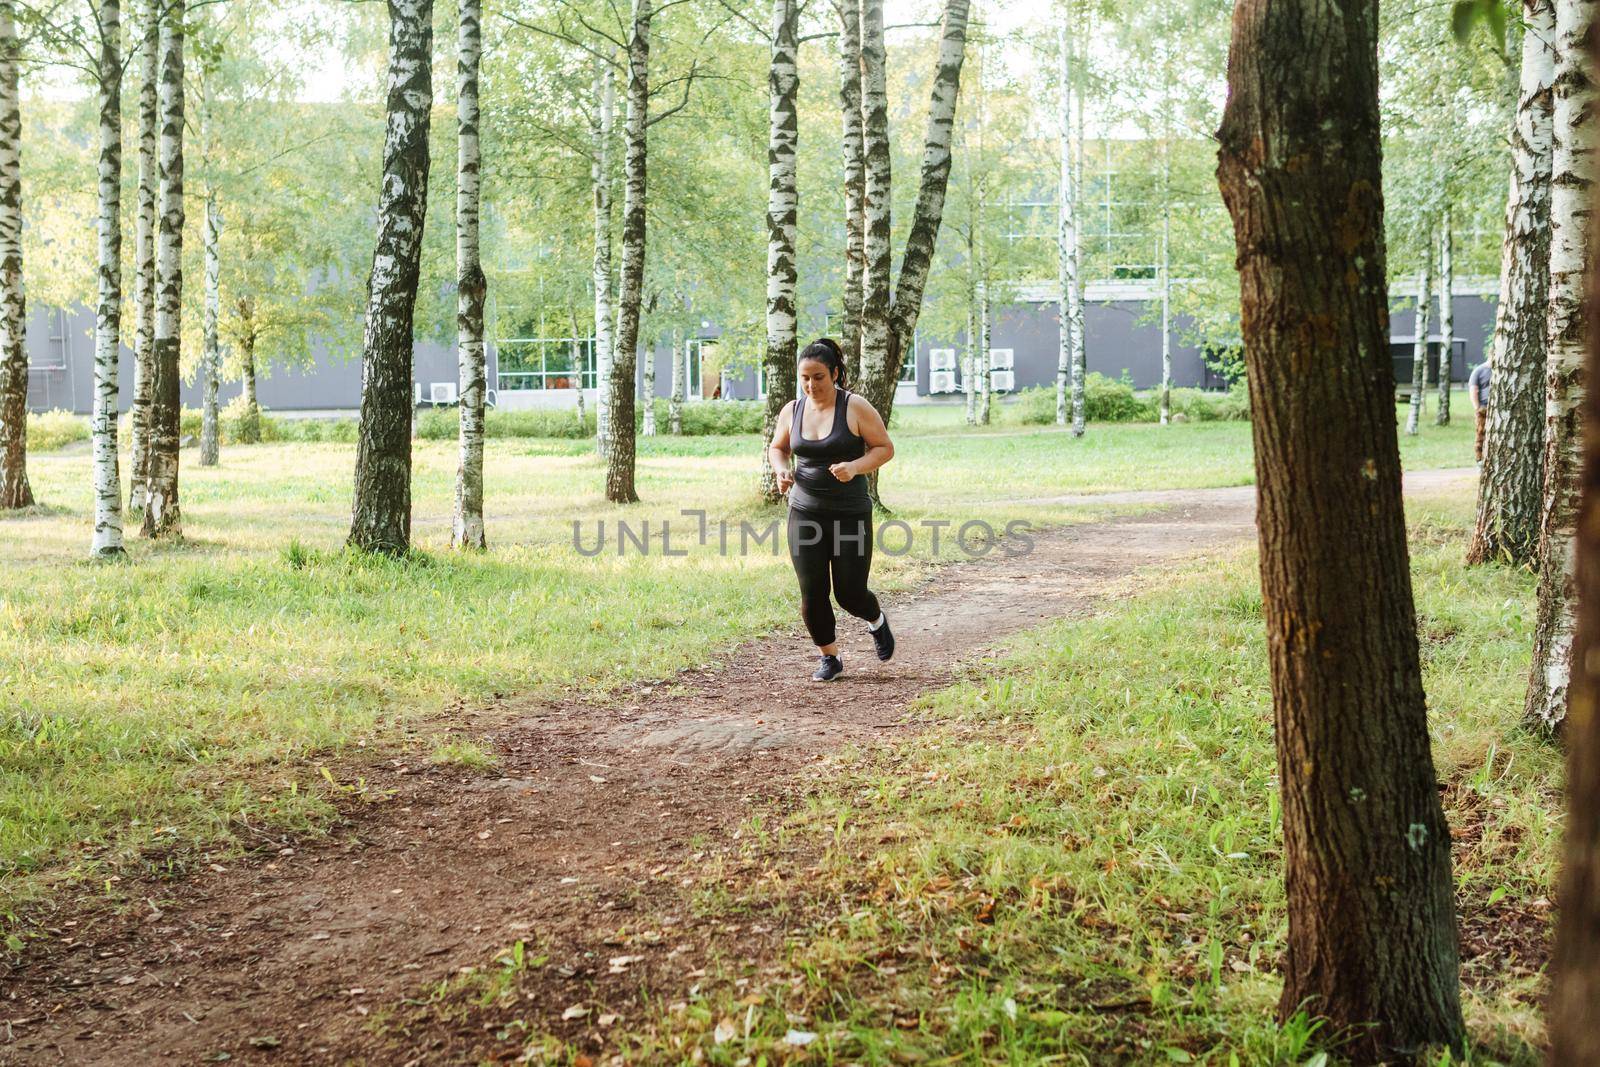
(580, 842)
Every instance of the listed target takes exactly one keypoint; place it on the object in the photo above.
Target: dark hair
(825, 350)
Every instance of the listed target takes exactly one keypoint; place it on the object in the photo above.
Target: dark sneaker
(883, 640)
(829, 669)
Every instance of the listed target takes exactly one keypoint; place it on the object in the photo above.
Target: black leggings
(840, 544)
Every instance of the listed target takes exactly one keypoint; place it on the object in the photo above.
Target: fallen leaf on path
(320, 936)
(577, 1011)
(724, 1031)
(596, 778)
(608, 1019)
(484, 835)
(800, 1038)
(620, 963)
(264, 1042)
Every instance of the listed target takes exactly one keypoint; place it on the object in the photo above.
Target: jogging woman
(836, 439)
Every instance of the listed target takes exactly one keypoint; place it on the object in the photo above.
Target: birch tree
(15, 492)
(605, 94)
(620, 460)
(888, 326)
(675, 405)
(1069, 371)
(1572, 170)
(1510, 485)
(210, 348)
(471, 286)
(649, 415)
(1419, 344)
(1447, 316)
(107, 540)
(144, 255)
(783, 204)
(985, 372)
(381, 515)
(855, 178)
(162, 517)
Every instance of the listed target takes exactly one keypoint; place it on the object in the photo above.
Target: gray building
(1122, 337)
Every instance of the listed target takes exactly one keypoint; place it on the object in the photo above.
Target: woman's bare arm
(870, 428)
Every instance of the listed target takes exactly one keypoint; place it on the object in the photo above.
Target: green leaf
(1462, 16)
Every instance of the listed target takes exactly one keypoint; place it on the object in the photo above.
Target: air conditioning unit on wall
(1001, 358)
(941, 381)
(941, 359)
(441, 392)
(1002, 381)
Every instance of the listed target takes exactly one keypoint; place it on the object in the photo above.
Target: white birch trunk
(783, 208)
(605, 96)
(1510, 486)
(878, 264)
(1419, 345)
(380, 519)
(1447, 316)
(1066, 230)
(1075, 293)
(210, 349)
(466, 529)
(984, 370)
(679, 373)
(620, 460)
(15, 492)
(969, 362)
(108, 314)
(1166, 264)
(144, 256)
(648, 416)
(855, 182)
(1573, 174)
(162, 517)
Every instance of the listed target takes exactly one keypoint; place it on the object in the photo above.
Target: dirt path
(594, 815)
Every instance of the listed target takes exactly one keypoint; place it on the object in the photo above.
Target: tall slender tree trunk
(1573, 174)
(1419, 344)
(381, 517)
(1447, 316)
(1575, 962)
(1069, 389)
(675, 405)
(969, 364)
(620, 462)
(108, 313)
(648, 416)
(917, 259)
(211, 351)
(783, 205)
(162, 517)
(144, 255)
(471, 285)
(250, 423)
(1080, 367)
(1165, 405)
(985, 372)
(1512, 480)
(1372, 933)
(605, 99)
(855, 183)
(15, 492)
(878, 259)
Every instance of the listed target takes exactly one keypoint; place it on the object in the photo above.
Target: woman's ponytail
(825, 350)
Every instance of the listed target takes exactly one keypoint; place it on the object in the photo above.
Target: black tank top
(815, 488)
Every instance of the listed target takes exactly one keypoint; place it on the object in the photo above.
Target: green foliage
(1114, 400)
(51, 430)
(701, 419)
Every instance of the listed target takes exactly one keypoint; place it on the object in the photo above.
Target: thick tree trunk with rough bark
(1572, 178)
(783, 206)
(620, 462)
(15, 492)
(1575, 962)
(917, 260)
(471, 286)
(1511, 483)
(107, 539)
(210, 349)
(1372, 932)
(605, 98)
(1419, 341)
(144, 255)
(162, 517)
(381, 517)
(855, 183)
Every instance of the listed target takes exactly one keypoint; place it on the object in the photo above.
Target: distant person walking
(1478, 392)
(836, 439)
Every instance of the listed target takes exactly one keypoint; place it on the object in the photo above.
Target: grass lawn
(1081, 862)
(162, 702)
